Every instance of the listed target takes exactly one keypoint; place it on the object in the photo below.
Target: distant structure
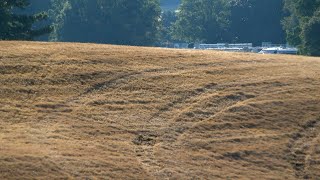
(269, 48)
(265, 48)
(240, 47)
(279, 50)
(212, 46)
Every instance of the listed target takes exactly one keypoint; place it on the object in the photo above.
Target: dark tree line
(215, 21)
(17, 26)
(141, 22)
(133, 22)
(294, 21)
(257, 21)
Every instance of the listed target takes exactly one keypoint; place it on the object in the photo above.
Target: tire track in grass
(145, 142)
(299, 148)
(171, 131)
(182, 99)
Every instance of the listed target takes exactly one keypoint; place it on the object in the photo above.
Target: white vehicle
(279, 50)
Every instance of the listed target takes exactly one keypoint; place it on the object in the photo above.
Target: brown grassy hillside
(112, 112)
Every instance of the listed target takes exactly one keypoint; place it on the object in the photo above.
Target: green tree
(132, 22)
(311, 36)
(57, 14)
(256, 21)
(17, 26)
(302, 25)
(168, 18)
(202, 21)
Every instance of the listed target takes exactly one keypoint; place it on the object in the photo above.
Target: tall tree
(257, 21)
(57, 14)
(311, 36)
(202, 21)
(168, 18)
(230, 21)
(302, 25)
(17, 26)
(132, 22)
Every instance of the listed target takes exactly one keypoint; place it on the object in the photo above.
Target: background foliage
(141, 22)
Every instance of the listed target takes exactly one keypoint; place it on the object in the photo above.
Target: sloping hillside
(99, 111)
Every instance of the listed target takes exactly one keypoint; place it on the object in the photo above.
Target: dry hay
(101, 111)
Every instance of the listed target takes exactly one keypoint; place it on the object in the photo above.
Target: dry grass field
(88, 111)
